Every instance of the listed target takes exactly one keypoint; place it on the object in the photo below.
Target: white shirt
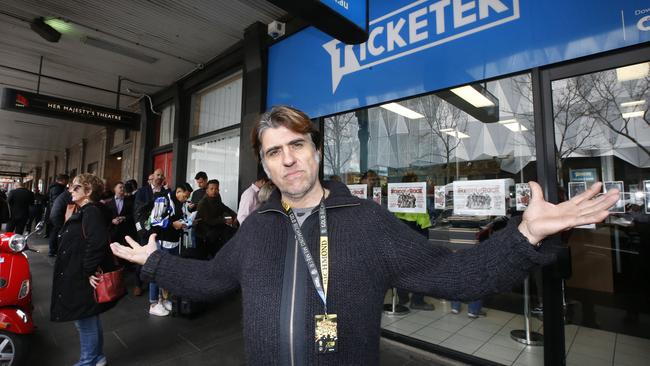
(247, 203)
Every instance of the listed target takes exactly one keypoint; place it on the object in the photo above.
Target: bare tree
(442, 119)
(340, 143)
(603, 103)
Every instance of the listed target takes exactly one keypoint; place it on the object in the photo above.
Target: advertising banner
(376, 194)
(359, 190)
(522, 195)
(439, 197)
(619, 207)
(407, 197)
(480, 197)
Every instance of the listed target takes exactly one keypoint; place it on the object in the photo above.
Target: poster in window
(575, 188)
(522, 194)
(439, 197)
(646, 193)
(480, 197)
(376, 194)
(359, 190)
(619, 207)
(407, 197)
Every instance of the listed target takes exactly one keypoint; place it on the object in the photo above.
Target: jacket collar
(339, 196)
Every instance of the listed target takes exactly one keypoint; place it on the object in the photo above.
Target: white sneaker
(102, 361)
(167, 304)
(158, 309)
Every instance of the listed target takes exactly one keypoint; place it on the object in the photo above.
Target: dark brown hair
(285, 116)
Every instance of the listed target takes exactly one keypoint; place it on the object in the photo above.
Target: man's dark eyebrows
(292, 142)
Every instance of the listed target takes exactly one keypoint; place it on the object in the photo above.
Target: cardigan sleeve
(197, 280)
(492, 266)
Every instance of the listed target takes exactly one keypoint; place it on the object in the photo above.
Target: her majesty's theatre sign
(48, 106)
(421, 46)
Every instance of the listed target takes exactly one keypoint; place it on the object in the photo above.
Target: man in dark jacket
(214, 221)
(36, 209)
(19, 200)
(121, 208)
(275, 256)
(53, 192)
(57, 219)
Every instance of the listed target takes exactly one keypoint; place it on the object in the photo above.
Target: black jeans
(17, 225)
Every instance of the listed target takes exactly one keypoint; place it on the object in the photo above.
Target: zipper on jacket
(293, 304)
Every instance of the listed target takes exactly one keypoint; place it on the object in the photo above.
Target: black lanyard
(324, 251)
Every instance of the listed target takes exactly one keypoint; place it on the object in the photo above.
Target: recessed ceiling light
(472, 96)
(633, 104)
(455, 133)
(402, 111)
(633, 72)
(627, 115)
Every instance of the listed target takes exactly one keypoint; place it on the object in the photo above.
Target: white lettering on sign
(644, 23)
(417, 27)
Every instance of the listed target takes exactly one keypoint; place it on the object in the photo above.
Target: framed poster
(359, 190)
(480, 197)
(575, 188)
(619, 207)
(376, 194)
(439, 197)
(407, 197)
(522, 195)
(646, 193)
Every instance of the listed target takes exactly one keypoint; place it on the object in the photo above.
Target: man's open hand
(134, 252)
(542, 218)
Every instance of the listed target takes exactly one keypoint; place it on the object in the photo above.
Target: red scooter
(15, 298)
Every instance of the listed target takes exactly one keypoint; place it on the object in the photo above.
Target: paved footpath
(133, 337)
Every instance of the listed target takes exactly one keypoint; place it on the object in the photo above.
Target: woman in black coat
(83, 247)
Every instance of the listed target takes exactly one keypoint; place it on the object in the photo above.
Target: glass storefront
(217, 106)
(215, 116)
(469, 162)
(602, 134)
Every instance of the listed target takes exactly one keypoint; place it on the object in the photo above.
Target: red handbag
(110, 287)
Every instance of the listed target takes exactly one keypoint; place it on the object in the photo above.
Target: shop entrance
(601, 133)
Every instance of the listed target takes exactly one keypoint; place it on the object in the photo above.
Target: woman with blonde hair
(83, 249)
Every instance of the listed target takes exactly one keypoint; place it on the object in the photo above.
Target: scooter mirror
(39, 226)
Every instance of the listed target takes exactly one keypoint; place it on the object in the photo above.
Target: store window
(416, 157)
(218, 156)
(164, 126)
(217, 107)
(602, 133)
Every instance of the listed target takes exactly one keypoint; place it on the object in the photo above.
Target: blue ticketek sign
(421, 46)
(353, 10)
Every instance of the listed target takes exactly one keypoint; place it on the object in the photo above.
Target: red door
(164, 161)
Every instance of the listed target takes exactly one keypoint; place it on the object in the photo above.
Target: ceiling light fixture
(633, 104)
(513, 125)
(633, 114)
(48, 33)
(633, 72)
(402, 111)
(455, 133)
(116, 48)
(473, 96)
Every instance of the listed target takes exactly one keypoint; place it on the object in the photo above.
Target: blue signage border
(415, 47)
